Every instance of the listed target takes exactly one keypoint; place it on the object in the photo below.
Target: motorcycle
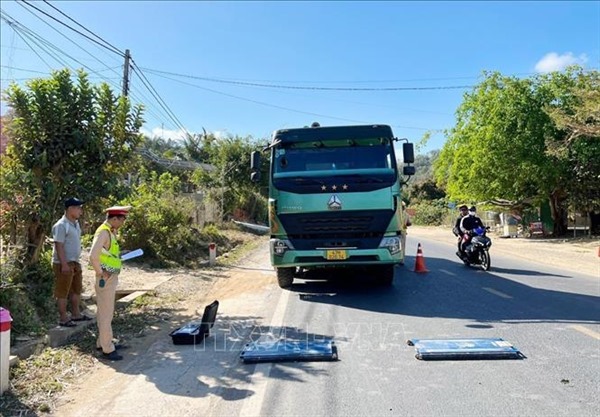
(477, 251)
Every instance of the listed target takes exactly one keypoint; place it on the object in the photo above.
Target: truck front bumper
(288, 257)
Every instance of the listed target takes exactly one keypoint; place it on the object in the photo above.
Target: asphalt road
(551, 315)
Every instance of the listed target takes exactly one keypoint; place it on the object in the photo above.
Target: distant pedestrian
(66, 251)
(105, 257)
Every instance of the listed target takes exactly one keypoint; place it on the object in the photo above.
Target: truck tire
(285, 277)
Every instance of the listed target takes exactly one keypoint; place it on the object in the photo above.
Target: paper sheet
(132, 254)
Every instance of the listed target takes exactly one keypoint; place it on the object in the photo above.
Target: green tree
(576, 113)
(230, 181)
(67, 137)
(499, 145)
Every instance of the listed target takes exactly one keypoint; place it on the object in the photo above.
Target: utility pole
(126, 73)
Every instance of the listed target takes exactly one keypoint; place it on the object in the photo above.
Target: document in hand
(132, 254)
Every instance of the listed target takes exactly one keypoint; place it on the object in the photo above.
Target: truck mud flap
(464, 349)
(288, 351)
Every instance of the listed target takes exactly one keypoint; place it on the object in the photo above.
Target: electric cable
(81, 26)
(297, 87)
(111, 48)
(157, 97)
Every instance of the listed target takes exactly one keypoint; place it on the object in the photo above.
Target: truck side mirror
(408, 170)
(255, 166)
(408, 153)
(255, 161)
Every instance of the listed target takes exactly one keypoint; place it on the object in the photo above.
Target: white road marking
(447, 272)
(498, 293)
(260, 378)
(586, 331)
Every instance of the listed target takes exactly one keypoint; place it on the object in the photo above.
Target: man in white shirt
(65, 263)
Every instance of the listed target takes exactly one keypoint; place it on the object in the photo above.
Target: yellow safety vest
(109, 259)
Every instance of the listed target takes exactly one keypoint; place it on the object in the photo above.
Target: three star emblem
(334, 187)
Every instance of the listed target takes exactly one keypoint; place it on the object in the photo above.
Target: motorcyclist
(464, 211)
(467, 224)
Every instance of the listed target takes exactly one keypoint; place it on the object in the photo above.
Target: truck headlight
(391, 243)
(280, 246)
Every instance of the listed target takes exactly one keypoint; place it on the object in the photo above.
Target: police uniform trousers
(105, 302)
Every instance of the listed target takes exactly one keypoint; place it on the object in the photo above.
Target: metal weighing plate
(283, 350)
(439, 349)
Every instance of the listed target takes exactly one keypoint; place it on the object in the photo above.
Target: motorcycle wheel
(485, 260)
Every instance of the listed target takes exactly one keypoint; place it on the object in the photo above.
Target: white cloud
(164, 133)
(159, 132)
(554, 62)
(221, 134)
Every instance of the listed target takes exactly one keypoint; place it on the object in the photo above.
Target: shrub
(161, 223)
(27, 294)
(431, 213)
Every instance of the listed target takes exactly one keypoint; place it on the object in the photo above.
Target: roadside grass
(240, 251)
(37, 382)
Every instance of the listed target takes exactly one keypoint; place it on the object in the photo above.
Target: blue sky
(311, 45)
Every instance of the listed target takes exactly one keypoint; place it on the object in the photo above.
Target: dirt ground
(140, 277)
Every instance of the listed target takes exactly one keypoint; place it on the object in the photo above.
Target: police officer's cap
(118, 210)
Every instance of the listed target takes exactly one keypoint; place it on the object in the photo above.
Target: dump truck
(335, 199)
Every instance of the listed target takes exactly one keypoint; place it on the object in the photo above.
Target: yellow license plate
(336, 255)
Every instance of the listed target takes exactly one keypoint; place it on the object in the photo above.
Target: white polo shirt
(69, 233)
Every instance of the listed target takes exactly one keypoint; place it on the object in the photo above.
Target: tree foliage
(162, 222)
(576, 113)
(504, 142)
(230, 181)
(67, 137)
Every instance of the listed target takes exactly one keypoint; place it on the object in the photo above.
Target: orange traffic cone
(420, 261)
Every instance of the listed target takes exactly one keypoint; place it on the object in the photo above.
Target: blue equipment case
(195, 332)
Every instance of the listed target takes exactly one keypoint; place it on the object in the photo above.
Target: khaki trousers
(105, 302)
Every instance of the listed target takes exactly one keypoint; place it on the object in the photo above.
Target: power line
(83, 27)
(157, 97)
(22, 69)
(297, 87)
(38, 40)
(21, 31)
(12, 25)
(111, 48)
(73, 42)
(282, 107)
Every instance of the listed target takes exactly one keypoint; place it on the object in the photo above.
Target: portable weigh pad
(453, 349)
(283, 350)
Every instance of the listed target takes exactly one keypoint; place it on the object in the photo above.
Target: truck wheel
(285, 277)
(386, 275)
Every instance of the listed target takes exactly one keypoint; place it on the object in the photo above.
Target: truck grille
(361, 229)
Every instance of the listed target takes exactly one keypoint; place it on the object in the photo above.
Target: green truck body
(335, 199)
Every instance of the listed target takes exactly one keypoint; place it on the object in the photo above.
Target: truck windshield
(339, 155)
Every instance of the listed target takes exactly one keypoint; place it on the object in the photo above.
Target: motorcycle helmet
(479, 231)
